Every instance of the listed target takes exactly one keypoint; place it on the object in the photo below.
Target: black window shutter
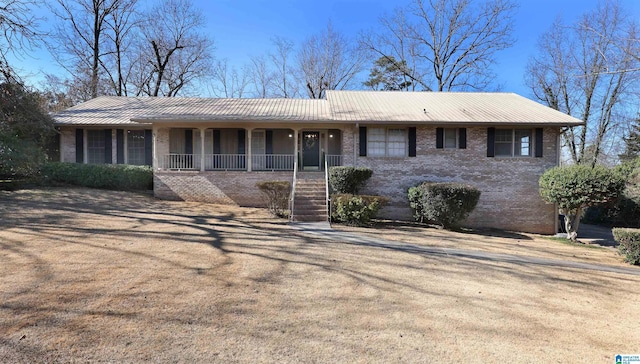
(269, 142)
(79, 145)
(241, 148)
(148, 147)
(241, 141)
(188, 141)
(363, 141)
(216, 141)
(120, 146)
(539, 142)
(412, 142)
(439, 138)
(491, 138)
(108, 157)
(462, 138)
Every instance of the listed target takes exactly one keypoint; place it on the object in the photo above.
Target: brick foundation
(233, 188)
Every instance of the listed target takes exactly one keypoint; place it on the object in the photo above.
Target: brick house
(215, 150)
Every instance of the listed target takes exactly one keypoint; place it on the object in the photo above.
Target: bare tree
(445, 44)
(283, 82)
(228, 81)
(121, 24)
(174, 52)
(79, 35)
(261, 77)
(392, 42)
(19, 29)
(588, 70)
(328, 61)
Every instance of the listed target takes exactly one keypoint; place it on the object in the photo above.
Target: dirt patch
(106, 276)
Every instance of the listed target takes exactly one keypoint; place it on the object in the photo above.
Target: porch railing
(225, 162)
(334, 160)
(181, 161)
(272, 162)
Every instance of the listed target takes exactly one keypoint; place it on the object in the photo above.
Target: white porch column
(202, 132)
(249, 151)
(295, 145)
(154, 147)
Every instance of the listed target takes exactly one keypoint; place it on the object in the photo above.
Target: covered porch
(248, 149)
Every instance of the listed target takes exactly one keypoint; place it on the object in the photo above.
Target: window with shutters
(451, 138)
(376, 142)
(135, 147)
(95, 146)
(513, 142)
(387, 142)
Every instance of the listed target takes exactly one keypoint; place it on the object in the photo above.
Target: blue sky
(241, 28)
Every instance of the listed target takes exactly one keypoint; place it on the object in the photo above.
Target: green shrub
(106, 176)
(355, 209)
(629, 240)
(348, 180)
(576, 187)
(446, 204)
(277, 196)
(19, 158)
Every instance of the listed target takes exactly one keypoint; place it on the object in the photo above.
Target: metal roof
(339, 106)
(114, 110)
(442, 107)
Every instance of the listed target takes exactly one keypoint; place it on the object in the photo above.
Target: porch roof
(114, 110)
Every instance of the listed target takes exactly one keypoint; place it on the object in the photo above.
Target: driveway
(104, 276)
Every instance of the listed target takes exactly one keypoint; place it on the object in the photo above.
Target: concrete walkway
(594, 234)
(323, 230)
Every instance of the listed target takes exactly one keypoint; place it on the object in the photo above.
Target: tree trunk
(571, 223)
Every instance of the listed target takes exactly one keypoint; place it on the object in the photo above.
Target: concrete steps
(309, 200)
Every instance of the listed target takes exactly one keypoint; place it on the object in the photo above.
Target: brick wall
(68, 145)
(509, 186)
(223, 187)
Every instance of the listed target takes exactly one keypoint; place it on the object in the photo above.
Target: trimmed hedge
(277, 196)
(348, 180)
(120, 177)
(355, 209)
(446, 204)
(629, 240)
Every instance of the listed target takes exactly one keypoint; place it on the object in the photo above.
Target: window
(95, 146)
(376, 142)
(450, 138)
(513, 142)
(383, 142)
(135, 147)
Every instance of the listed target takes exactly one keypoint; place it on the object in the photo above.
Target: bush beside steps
(356, 210)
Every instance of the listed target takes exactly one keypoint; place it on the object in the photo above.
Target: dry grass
(117, 277)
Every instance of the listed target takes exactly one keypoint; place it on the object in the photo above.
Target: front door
(311, 149)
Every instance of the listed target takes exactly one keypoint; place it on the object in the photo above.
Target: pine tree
(388, 74)
(632, 143)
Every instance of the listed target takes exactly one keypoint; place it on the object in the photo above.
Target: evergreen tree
(388, 74)
(632, 143)
(25, 131)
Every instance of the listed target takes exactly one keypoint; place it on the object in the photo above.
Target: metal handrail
(326, 187)
(293, 189)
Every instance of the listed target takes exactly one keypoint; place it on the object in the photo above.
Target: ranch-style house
(216, 150)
